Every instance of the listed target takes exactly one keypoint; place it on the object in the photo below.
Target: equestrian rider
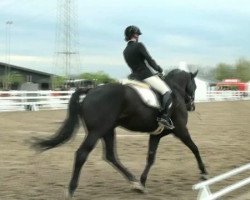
(139, 60)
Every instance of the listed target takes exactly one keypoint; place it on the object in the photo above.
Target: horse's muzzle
(190, 106)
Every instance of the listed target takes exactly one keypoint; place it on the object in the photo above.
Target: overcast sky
(203, 32)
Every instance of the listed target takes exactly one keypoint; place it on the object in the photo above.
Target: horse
(111, 105)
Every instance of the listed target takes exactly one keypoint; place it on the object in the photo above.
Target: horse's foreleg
(152, 148)
(80, 158)
(187, 140)
(111, 157)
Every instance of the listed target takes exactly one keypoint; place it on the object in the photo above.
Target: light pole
(7, 66)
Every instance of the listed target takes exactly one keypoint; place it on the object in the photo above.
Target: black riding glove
(160, 70)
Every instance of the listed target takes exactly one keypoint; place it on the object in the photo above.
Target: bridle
(189, 97)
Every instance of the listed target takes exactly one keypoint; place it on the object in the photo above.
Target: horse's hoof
(68, 195)
(204, 177)
(138, 187)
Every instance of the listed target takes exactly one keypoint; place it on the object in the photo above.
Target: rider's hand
(161, 74)
(160, 70)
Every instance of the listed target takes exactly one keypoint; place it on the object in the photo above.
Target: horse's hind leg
(152, 148)
(111, 156)
(187, 140)
(80, 158)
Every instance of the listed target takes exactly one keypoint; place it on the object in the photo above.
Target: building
(43, 79)
(201, 90)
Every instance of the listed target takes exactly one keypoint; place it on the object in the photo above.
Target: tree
(224, 71)
(16, 79)
(243, 69)
(99, 77)
(12, 80)
(204, 72)
(58, 81)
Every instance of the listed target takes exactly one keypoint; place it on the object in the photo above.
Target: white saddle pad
(144, 91)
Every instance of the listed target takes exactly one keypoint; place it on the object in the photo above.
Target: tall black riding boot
(166, 105)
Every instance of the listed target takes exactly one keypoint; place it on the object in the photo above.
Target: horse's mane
(173, 73)
(170, 79)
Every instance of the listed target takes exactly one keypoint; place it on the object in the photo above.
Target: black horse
(111, 105)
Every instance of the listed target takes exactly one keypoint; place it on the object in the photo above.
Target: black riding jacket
(137, 58)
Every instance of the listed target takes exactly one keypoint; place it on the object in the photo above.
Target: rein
(189, 99)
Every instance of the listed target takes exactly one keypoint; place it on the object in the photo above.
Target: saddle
(150, 97)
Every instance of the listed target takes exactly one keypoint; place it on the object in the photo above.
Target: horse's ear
(194, 74)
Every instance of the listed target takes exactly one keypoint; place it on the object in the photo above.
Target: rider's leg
(158, 84)
(167, 111)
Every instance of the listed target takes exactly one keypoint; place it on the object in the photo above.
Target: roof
(26, 69)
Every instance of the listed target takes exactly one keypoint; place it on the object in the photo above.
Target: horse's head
(184, 83)
(190, 91)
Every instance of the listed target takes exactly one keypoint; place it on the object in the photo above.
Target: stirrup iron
(166, 123)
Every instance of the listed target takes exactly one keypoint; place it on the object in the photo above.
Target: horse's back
(105, 96)
(112, 96)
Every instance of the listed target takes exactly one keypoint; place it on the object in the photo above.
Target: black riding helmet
(130, 31)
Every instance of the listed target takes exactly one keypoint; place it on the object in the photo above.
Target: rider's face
(136, 36)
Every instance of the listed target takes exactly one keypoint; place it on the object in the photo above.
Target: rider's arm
(148, 58)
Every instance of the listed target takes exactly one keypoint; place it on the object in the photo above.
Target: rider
(139, 60)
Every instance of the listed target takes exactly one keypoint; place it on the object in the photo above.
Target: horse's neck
(175, 87)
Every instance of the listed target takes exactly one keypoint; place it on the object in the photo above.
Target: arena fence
(206, 194)
(33, 100)
(40, 100)
(227, 95)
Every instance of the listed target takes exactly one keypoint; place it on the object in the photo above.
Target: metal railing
(205, 192)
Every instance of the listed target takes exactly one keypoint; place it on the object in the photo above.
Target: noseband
(189, 99)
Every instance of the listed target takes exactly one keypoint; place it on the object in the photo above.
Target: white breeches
(158, 84)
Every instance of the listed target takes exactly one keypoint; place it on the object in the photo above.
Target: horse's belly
(139, 125)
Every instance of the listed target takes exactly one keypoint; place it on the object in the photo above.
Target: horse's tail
(69, 127)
